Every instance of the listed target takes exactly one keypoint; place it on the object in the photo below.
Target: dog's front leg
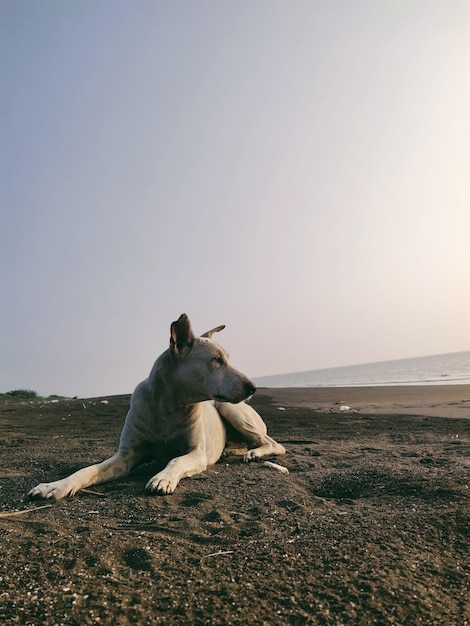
(166, 481)
(116, 466)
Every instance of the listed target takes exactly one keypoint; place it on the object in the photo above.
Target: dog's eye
(218, 359)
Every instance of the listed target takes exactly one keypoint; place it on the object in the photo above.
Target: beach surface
(431, 400)
(370, 526)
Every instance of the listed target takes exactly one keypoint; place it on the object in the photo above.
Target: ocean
(439, 369)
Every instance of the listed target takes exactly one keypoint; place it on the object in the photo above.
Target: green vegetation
(23, 394)
(27, 394)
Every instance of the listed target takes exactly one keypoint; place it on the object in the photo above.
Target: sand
(370, 526)
(430, 400)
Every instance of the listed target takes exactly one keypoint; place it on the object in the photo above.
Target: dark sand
(431, 400)
(371, 526)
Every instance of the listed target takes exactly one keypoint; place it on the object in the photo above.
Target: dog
(182, 407)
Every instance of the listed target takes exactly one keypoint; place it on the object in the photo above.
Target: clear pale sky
(298, 170)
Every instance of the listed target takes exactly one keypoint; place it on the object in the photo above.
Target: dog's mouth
(232, 400)
(237, 393)
(220, 398)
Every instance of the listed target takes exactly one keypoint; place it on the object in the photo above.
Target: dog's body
(179, 405)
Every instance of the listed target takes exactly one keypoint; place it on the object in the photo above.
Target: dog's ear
(217, 329)
(181, 335)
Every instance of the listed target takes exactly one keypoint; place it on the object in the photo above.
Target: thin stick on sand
(36, 508)
(94, 493)
(219, 553)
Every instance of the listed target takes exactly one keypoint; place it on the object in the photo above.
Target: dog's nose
(250, 388)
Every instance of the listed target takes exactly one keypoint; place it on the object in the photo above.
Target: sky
(298, 170)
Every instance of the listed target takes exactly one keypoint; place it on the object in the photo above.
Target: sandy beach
(370, 526)
(432, 400)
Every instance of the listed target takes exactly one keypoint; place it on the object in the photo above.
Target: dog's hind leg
(250, 424)
(115, 467)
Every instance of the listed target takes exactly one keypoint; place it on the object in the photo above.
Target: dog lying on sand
(192, 388)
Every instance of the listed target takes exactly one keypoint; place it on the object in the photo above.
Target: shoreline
(426, 400)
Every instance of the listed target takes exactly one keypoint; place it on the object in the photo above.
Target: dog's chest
(161, 426)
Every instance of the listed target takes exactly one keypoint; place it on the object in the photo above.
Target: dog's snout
(250, 388)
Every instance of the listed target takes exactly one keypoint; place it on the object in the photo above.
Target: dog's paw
(252, 455)
(49, 491)
(268, 448)
(161, 484)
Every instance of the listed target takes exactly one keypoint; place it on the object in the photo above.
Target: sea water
(439, 369)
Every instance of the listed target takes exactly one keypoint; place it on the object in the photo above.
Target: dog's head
(202, 366)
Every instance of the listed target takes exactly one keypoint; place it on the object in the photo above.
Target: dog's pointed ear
(217, 329)
(181, 335)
